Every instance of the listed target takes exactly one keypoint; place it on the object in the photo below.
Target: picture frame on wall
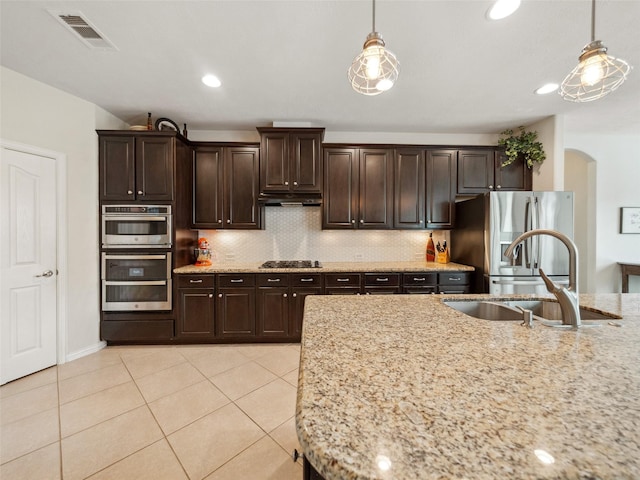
(630, 220)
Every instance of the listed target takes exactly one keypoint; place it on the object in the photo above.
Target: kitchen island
(404, 387)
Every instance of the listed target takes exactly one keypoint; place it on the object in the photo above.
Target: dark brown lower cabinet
(342, 284)
(196, 307)
(310, 473)
(381, 283)
(273, 305)
(420, 283)
(236, 307)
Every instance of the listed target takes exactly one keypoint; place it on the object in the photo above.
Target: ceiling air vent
(84, 30)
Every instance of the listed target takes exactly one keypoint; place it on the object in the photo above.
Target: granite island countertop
(329, 267)
(403, 387)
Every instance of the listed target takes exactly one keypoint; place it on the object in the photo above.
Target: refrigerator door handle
(527, 227)
(536, 239)
(526, 282)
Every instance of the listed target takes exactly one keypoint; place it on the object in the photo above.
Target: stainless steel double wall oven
(136, 258)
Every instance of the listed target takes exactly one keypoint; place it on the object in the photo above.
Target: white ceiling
(288, 60)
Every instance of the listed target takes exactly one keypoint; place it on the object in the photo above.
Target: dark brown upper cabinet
(225, 187)
(441, 188)
(358, 189)
(136, 167)
(480, 171)
(409, 191)
(291, 160)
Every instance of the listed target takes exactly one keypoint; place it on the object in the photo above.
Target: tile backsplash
(295, 233)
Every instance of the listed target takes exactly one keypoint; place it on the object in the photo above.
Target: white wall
(36, 114)
(617, 184)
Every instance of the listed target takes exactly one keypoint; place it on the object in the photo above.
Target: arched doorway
(580, 178)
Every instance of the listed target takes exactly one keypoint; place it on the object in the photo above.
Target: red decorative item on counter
(431, 250)
(203, 254)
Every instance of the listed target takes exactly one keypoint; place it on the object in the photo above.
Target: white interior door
(28, 274)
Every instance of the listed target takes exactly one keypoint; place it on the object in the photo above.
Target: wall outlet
(358, 257)
(230, 257)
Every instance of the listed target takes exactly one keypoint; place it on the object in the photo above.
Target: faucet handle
(551, 286)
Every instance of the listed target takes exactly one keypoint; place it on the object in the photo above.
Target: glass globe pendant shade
(597, 75)
(375, 69)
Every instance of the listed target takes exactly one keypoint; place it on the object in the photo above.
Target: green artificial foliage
(524, 145)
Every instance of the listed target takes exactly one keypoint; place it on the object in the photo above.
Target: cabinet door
(305, 166)
(154, 168)
(241, 178)
(376, 189)
(475, 171)
(515, 176)
(236, 312)
(117, 168)
(273, 311)
(298, 296)
(195, 317)
(340, 200)
(274, 162)
(441, 188)
(409, 199)
(207, 211)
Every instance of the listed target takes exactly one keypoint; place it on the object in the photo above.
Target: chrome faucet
(567, 296)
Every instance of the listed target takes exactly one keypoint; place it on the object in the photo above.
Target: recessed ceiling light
(502, 9)
(546, 88)
(211, 81)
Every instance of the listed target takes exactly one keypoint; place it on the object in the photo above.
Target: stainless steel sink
(507, 310)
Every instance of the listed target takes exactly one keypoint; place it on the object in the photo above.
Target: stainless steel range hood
(284, 200)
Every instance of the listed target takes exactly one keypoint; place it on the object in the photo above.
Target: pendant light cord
(593, 20)
(373, 24)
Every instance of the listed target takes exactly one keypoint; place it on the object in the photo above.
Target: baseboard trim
(85, 351)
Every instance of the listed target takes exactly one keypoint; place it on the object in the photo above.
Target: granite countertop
(328, 267)
(404, 387)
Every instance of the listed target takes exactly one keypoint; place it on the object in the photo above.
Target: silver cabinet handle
(295, 294)
(219, 295)
(383, 279)
(498, 186)
(353, 221)
(239, 280)
(286, 183)
(129, 192)
(284, 295)
(306, 279)
(228, 221)
(295, 183)
(490, 186)
(273, 279)
(342, 279)
(361, 221)
(219, 221)
(211, 295)
(455, 279)
(195, 281)
(46, 274)
(139, 192)
(420, 279)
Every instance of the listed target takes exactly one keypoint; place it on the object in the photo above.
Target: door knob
(129, 192)
(139, 192)
(48, 273)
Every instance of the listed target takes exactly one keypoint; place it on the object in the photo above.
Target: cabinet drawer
(382, 279)
(195, 281)
(420, 278)
(273, 280)
(342, 279)
(454, 278)
(449, 289)
(236, 280)
(306, 280)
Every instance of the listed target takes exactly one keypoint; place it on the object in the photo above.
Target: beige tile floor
(155, 412)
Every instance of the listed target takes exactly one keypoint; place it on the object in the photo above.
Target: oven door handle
(153, 282)
(128, 218)
(135, 257)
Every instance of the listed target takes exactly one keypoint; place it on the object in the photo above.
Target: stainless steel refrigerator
(487, 224)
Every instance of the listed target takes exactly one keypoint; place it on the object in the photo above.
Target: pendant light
(375, 69)
(597, 74)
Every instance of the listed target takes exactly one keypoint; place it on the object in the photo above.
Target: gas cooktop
(291, 264)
